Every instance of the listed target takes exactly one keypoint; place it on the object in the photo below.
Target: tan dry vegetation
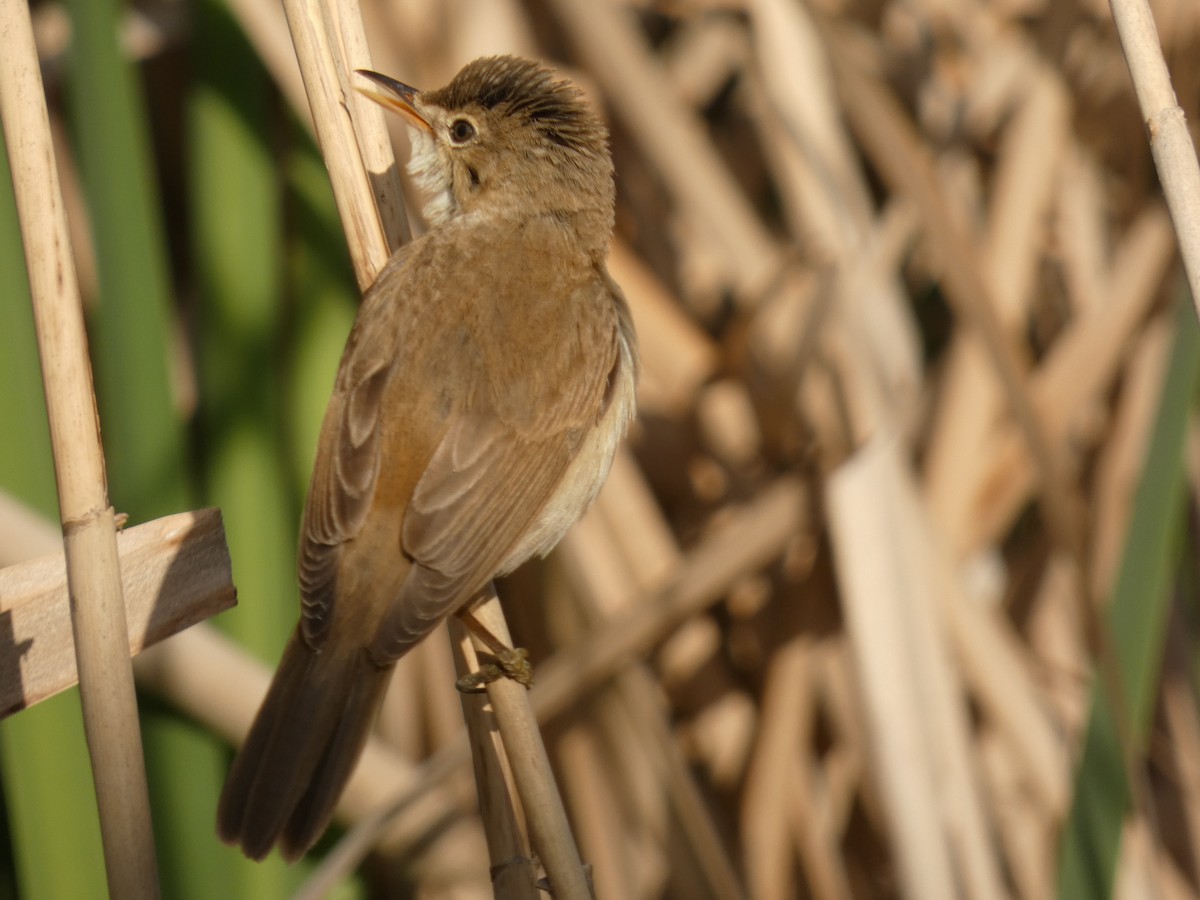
(901, 273)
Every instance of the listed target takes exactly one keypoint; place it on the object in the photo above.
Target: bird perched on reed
(481, 396)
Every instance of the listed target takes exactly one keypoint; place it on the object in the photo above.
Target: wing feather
(458, 547)
(347, 466)
(484, 488)
(496, 497)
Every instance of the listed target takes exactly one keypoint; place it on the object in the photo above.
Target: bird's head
(507, 135)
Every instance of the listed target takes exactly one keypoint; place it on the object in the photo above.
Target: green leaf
(1138, 616)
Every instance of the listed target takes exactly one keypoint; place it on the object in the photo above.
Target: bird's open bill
(396, 96)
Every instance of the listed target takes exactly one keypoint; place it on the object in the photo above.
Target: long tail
(301, 750)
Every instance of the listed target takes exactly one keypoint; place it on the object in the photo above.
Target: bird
(486, 383)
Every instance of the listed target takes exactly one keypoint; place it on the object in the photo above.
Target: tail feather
(315, 808)
(301, 750)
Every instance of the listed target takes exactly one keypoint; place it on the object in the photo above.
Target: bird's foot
(506, 662)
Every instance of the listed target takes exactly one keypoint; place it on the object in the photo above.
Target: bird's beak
(394, 95)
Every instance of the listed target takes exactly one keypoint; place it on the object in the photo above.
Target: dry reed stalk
(833, 196)
(318, 50)
(397, 826)
(421, 711)
(1074, 376)
(1145, 870)
(631, 775)
(1010, 259)
(404, 703)
(729, 424)
(990, 657)
(1054, 635)
(817, 786)
(839, 699)
(806, 142)
(720, 737)
(676, 356)
(609, 566)
(595, 806)
(893, 710)
(894, 146)
(624, 850)
(696, 643)
(483, 28)
(788, 706)
(1183, 724)
(1024, 830)
(79, 220)
(889, 574)
(703, 55)
(1080, 231)
(854, 326)
(545, 816)
(842, 772)
(615, 790)
(706, 858)
(513, 874)
(746, 540)
(89, 522)
(438, 694)
(816, 841)
(375, 146)
(1170, 141)
(1023, 190)
(631, 527)
(209, 678)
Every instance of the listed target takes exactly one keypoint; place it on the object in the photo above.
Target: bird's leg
(502, 662)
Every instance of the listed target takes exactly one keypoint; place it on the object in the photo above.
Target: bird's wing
(486, 486)
(349, 451)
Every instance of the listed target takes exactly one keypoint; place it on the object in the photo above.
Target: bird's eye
(461, 131)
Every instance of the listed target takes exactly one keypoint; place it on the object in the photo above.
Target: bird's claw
(509, 663)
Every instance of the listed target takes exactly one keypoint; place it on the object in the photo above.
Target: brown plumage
(477, 407)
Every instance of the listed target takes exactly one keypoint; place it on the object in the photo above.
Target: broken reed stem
(110, 715)
(1170, 142)
(174, 572)
(319, 52)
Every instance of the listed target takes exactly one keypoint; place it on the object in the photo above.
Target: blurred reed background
(917, 454)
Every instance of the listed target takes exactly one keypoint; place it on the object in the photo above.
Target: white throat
(431, 176)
